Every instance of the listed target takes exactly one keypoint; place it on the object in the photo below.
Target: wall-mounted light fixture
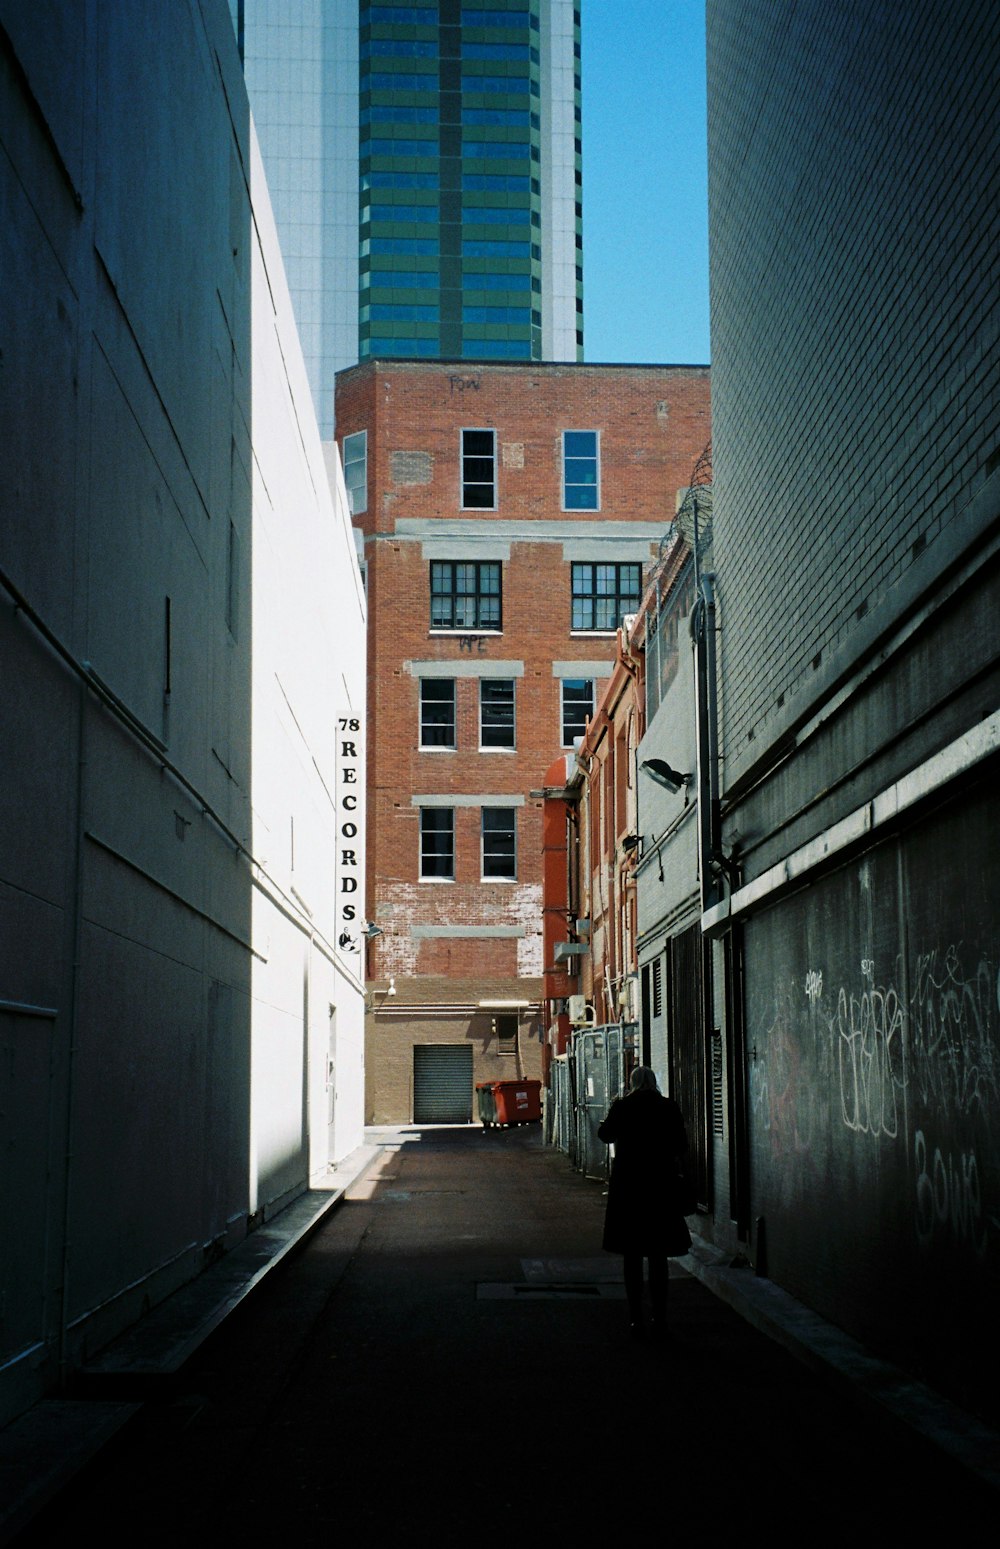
(671, 779)
(369, 930)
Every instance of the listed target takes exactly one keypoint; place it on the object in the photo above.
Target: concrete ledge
(42, 1450)
(160, 1343)
(828, 1350)
(170, 1333)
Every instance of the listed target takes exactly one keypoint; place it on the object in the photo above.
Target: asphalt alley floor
(447, 1358)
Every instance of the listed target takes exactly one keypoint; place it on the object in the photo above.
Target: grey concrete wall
(125, 402)
(158, 1091)
(854, 275)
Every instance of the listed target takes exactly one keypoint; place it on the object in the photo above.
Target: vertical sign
(349, 819)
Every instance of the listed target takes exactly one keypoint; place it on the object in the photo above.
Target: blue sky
(645, 218)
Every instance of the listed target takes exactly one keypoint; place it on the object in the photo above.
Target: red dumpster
(517, 1102)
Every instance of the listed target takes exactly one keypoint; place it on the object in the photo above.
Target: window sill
(436, 747)
(462, 634)
(592, 634)
(483, 749)
(439, 881)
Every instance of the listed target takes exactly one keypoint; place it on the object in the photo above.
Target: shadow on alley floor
(447, 1356)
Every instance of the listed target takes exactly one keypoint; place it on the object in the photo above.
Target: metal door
(331, 1088)
(442, 1083)
(29, 1207)
(688, 995)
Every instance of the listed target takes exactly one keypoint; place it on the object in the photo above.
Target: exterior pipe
(711, 863)
(67, 1127)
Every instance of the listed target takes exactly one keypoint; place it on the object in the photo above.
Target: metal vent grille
(718, 1116)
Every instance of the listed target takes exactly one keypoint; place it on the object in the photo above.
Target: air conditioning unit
(628, 999)
(580, 1012)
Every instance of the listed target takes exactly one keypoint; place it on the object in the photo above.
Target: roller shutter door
(442, 1083)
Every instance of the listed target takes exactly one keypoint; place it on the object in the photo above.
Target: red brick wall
(654, 421)
(653, 424)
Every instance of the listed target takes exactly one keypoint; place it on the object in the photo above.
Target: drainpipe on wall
(72, 1014)
(713, 864)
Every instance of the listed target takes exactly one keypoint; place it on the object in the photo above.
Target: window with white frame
(479, 470)
(603, 594)
(437, 712)
(577, 708)
(466, 594)
(356, 471)
(499, 843)
(496, 712)
(581, 471)
(437, 844)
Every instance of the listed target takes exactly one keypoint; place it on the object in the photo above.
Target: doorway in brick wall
(442, 1083)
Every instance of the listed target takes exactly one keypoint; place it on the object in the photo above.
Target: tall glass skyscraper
(424, 164)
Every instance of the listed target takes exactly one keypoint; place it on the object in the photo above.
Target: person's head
(642, 1079)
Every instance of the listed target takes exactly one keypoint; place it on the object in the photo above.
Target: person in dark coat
(643, 1217)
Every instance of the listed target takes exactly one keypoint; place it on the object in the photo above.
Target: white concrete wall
(309, 662)
(162, 1075)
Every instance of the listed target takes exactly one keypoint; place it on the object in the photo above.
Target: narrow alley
(447, 1356)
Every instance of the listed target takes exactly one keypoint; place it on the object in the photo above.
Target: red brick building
(603, 1010)
(510, 515)
(592, 844)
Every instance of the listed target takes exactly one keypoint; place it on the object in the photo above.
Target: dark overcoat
(643, 1213)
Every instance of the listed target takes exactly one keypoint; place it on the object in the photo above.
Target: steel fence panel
(592, 1100)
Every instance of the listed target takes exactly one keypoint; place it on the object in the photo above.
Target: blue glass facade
(422, 156)
(471, 79)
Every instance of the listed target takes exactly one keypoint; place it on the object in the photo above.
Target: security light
(659, 770)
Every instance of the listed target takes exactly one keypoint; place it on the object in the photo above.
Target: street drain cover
(537, 1291)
